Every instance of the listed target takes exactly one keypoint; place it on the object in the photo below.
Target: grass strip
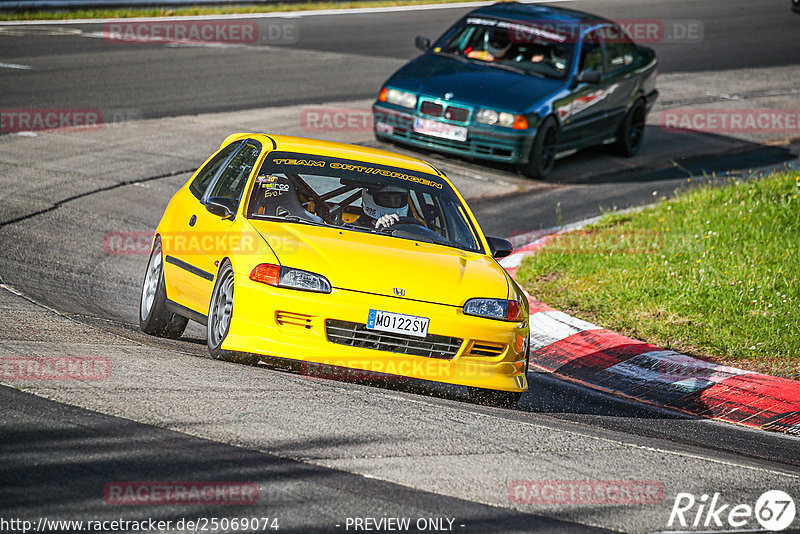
(713, 272)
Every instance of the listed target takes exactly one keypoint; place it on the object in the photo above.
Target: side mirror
(222, 207)
(499, 247)
(590, 76)
(423, 43)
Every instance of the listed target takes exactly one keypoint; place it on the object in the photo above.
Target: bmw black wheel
(631, 131)
(543, 152)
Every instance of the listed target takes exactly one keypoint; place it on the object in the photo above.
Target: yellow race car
(338, 255)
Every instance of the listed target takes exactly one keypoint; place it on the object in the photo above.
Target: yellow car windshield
(331, 191)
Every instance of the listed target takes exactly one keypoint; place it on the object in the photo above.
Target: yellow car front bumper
(302, 325)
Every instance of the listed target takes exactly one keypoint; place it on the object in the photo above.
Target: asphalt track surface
(320, 451)
(334, 58)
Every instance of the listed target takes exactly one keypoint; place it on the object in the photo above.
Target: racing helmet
(384, 201)
(497, 42)
(559, 56)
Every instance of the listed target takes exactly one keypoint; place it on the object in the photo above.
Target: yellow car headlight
(504, 310)
(281, 276)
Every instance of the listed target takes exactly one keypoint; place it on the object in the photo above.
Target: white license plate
(397, 323)
(440, 129)
(384, 128)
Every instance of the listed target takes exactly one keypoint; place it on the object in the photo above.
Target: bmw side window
(233, 179)
(591, 53)
(619, 51)
(615, 57)
(206, 175)
(629, 52)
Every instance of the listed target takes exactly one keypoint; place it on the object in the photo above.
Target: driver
(537, 53)
(496, 45)
(383, 207)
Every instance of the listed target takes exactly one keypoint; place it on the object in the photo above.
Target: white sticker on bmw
(397, 323)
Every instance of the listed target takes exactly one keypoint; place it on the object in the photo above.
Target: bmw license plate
(397, 323)
(440, 129)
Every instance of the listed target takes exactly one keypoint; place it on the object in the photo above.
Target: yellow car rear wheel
(154, 317)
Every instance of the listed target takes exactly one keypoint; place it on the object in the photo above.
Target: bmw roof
(537, 12)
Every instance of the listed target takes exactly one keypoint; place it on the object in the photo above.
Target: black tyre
(220, 313)
(491, 397)
(631, 131)
(543, 152)
(154, 317)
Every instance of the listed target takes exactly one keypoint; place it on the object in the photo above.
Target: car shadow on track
(546, 394)
(61, 462)
(664, 155)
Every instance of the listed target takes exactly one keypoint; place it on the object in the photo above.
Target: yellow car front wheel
(220, 313)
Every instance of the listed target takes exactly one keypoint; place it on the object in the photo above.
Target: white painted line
(658, 450)
(512, 261)
(671, 367)
(15, 66)
(515, 258)
(10, 289)
(663, 375)
(285, 14)
(547, 327)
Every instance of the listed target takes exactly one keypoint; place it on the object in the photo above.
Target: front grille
(480, 348)
(293, 319)
(357, 335)
(450, 112)
(456, 114)
(431, 108)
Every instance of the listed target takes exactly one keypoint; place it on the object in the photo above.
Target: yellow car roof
(304, 145)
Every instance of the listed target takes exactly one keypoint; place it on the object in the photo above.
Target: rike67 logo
(774, 511)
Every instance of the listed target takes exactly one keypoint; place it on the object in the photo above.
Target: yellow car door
(180, 256)
(210, 236)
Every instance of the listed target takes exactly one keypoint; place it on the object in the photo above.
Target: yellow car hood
(372, 263)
